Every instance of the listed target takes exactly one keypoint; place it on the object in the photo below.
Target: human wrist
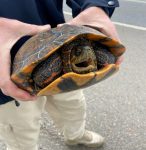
(97, 18)
(94, 11)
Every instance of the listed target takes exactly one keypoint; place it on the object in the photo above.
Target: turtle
(64, 59)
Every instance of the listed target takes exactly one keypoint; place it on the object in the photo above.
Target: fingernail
(46, 27)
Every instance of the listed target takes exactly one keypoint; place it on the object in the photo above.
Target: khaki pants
(20, 126)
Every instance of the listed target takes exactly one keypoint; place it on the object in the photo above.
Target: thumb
(26, 29)
(69, 23)
(29, 29)
(60, 25)
(120, 60)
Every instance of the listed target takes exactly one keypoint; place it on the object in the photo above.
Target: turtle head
(83, 58)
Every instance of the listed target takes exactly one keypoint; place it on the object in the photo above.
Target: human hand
(10, 32)
(97, 18)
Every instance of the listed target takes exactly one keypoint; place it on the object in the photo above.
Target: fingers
(60, 25)
(10, 89)
(6, 85)
(29, 29)
(71, 22)
(120, 60)
(109, 30)
(112, 33)
(12, 30)
(99, 21)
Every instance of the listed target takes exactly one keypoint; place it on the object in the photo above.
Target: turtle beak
(84, 60)
(87, 65)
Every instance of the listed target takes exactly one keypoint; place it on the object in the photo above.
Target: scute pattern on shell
(45, 42)
(41, 46)
(47, 70)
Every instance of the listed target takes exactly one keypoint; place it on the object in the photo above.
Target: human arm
(10, 32)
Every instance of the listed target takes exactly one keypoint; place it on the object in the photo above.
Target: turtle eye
(78, 52)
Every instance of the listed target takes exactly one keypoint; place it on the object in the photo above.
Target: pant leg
(20, 126)
(68, 112)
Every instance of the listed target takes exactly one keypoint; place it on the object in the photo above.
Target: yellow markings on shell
(103, 72)
(51, 88)
(114, 46)
(80, 79)
(95, 37)
(16, 79)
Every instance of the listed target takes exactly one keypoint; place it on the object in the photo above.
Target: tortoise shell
(56, 47)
